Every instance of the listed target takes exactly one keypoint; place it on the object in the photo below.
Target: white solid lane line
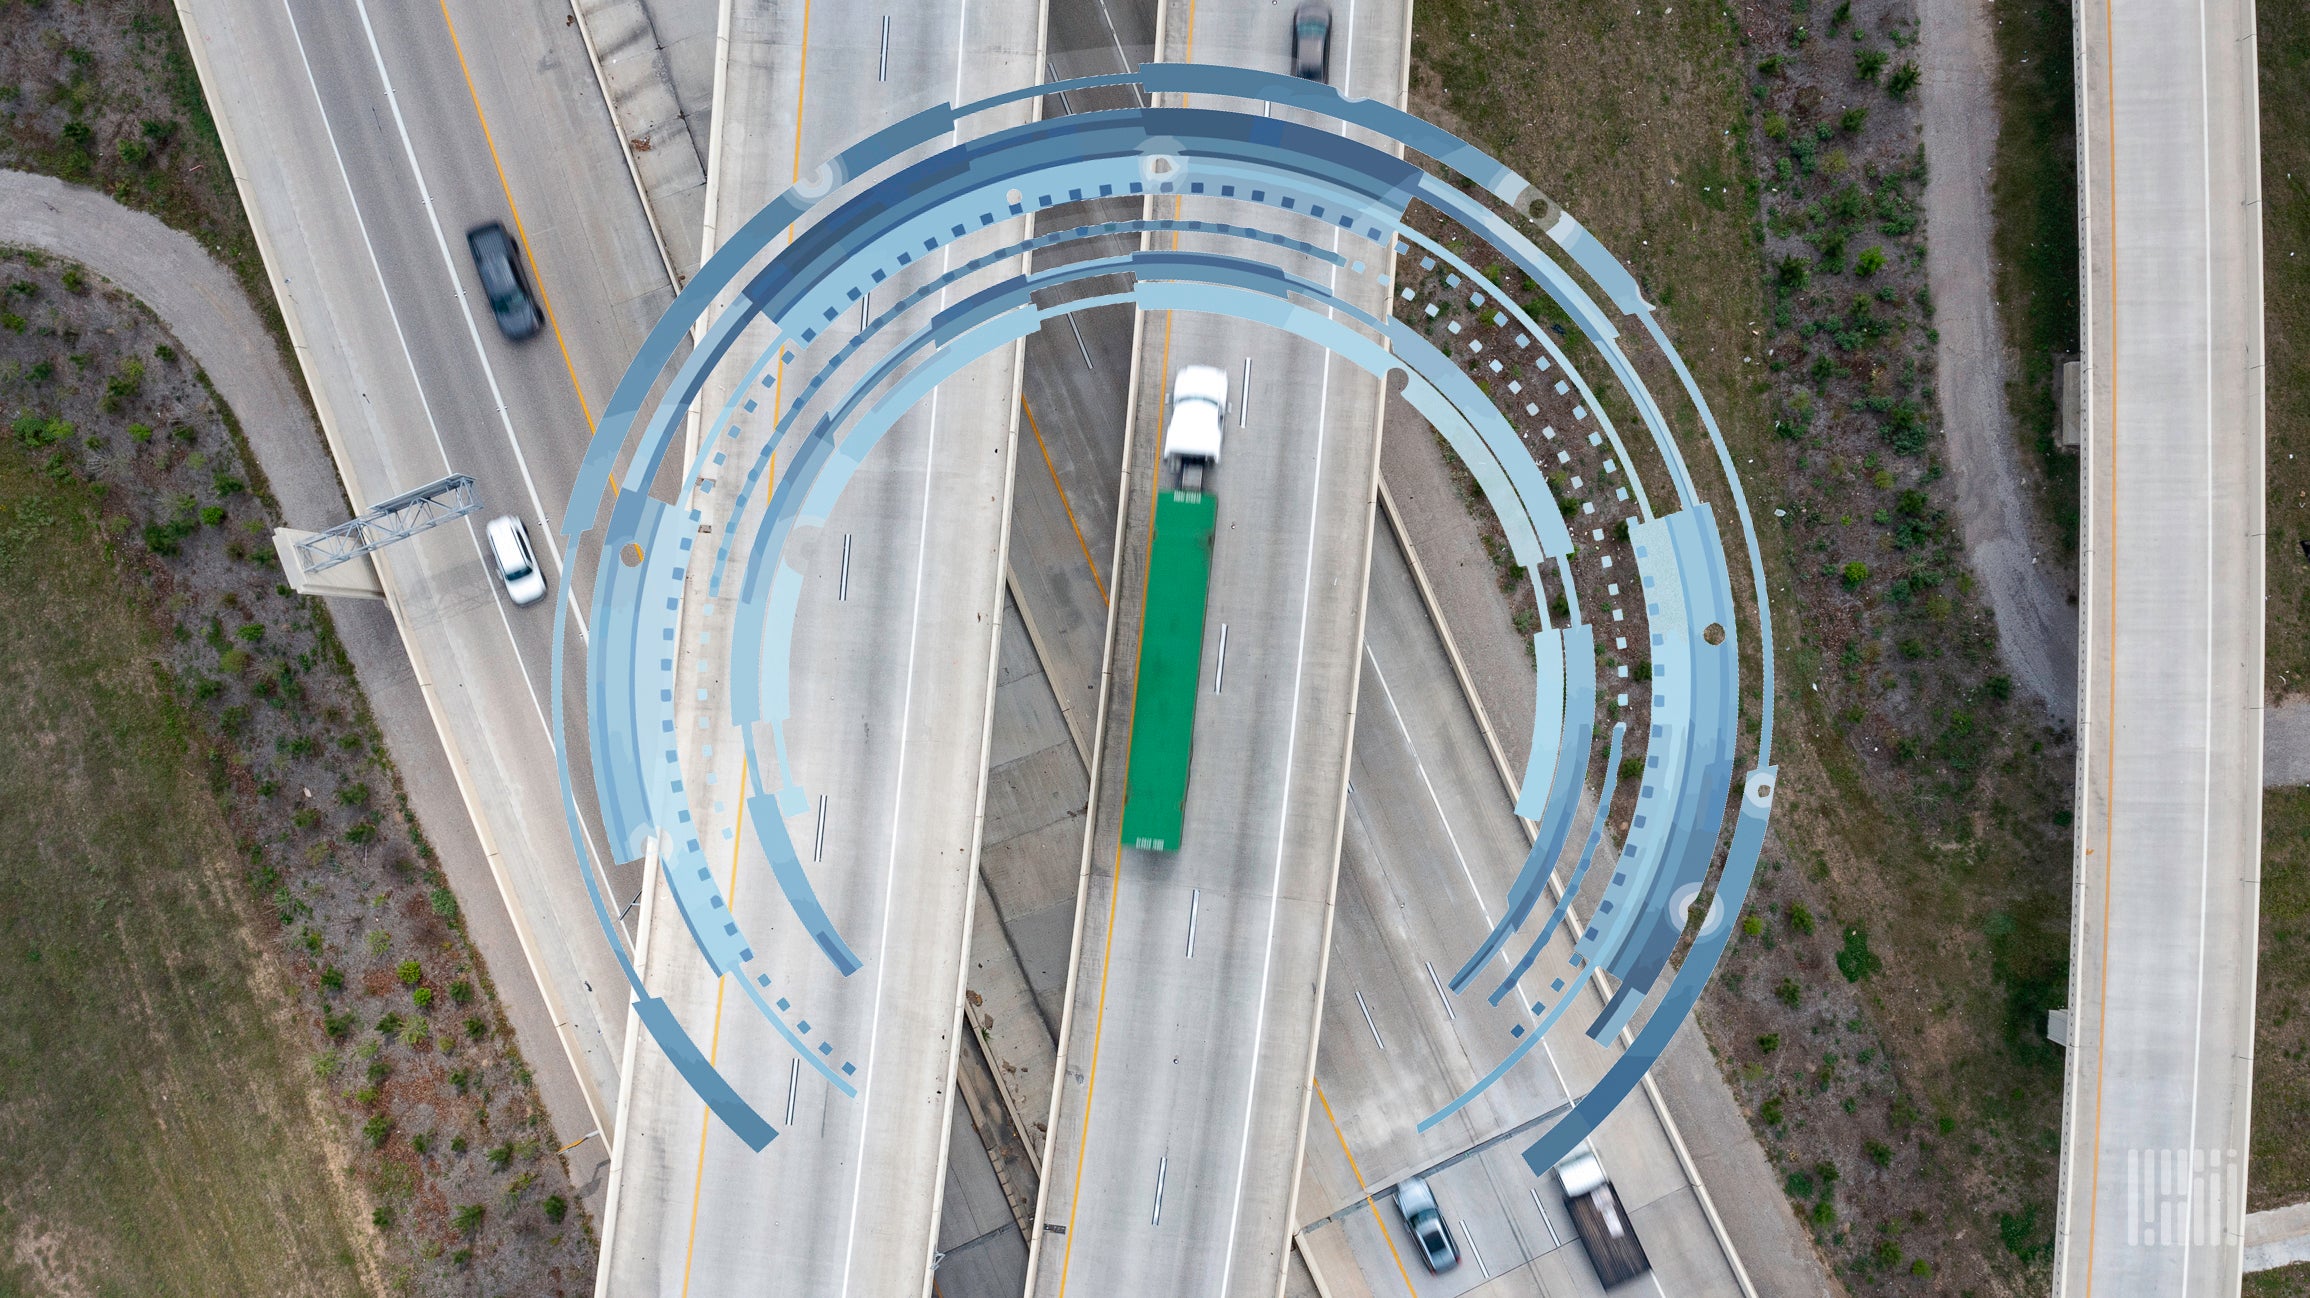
(1433, 800)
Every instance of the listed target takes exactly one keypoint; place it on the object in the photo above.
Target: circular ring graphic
(1299, 216)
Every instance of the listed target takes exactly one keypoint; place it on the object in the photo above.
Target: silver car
(509, 546)
(1417, 1203)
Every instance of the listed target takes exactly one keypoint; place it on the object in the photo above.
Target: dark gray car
(1311, 42)
(1417, 1203)
(498, 260)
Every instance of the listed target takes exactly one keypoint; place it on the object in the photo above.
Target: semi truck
(1170, 669)
(1605, 1229)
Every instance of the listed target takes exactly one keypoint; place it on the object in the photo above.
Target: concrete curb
(639, 92)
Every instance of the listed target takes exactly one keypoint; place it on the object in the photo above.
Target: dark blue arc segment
(703, 1077)
(786, 866)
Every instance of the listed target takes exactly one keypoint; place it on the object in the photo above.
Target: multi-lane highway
(1190, 1027)
(2161, 1044)
(893, 659)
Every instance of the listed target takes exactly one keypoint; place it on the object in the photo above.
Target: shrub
(1867, 64)
(1854, 574)
(1800, 918)
(1770, 1111)
(421, 1142)
(499, 1156)
(444, 903)
(1769, 1042)
(390, 1023)
(1825, 1212)
(1904, 79)
(1799, 1185)
(1789, 993)
(461, 992)
(353, 795)
(410, 973)
(333, 979)
(555, 1208)
(468, 1218)
(1871, 260)
(1853, 120)
(2000, 687)
(1751, 925)
(1878, 1152)
(476, 1029)
(363, 832)
(1856, 961)
(337, 1025)
(376, 1129)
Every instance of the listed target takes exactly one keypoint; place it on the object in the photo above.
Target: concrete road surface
(2160, 1069)
(1191, 1022)
(893, 667)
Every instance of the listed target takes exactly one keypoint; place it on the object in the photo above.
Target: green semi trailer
(1171, 625)
(1170, 670)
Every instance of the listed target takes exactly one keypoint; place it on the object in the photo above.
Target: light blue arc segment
(1555, 818)
(1700, 961)
(786, 865)
(1708, 680)
(1667, 749)
(1571, 888)
(1547, 725)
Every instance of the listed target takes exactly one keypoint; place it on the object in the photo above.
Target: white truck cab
(1194, 427)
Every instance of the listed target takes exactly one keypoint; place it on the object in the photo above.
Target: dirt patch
(2278, 1166)
(386, 1028)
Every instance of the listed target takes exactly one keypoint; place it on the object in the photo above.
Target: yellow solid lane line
(1114, 892)
(1385, 1237)
(714, 1045)
(1054, 470)
(536, 270)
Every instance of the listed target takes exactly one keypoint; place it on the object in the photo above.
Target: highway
(2160, 1063)
(365, 140)
(1184, 1087)
(1432, 842)
(893, 664)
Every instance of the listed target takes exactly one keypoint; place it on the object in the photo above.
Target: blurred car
(1311, 42)
(497, 258)
(516, 565)
(1417, 1203)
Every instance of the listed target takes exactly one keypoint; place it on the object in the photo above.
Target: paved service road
(1178, 1120)
(893, 672)
(2160, 1070)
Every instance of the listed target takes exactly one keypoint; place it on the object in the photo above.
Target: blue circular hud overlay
(674, 538)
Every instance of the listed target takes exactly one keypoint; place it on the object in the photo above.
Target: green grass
(157, 1134)
(2285, 1282)
(2278, 1166)
(2285, 48)
(2033, 192)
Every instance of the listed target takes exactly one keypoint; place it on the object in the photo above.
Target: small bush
(476, 1029)
(1770, 1112)
(1799, 1185)
(1879, 1152)
(468, 1218)
(1871, 260)
(499, 1156)
(444, 903)
(421, 1142)
(337, 1025)
(140, 433)
(410, 973)
(555, 1208)
(333, 979)
(1856, 961)
(376, 1129)
(422, 997)
(1769, 1042)
(1800, 918)
(1789, 993)
(1854, 574)
(1853, 120)
(1904, 79)
(1868, 63)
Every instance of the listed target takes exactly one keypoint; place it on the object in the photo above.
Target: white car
(509, 546)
